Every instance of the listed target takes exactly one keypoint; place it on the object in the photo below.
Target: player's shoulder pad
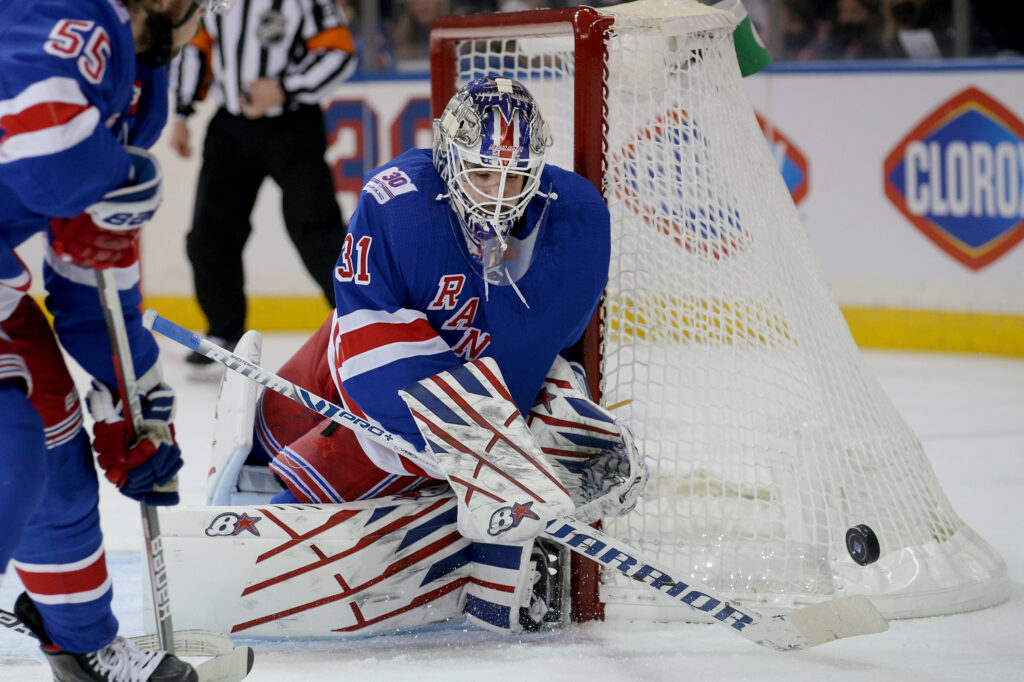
(411, 172)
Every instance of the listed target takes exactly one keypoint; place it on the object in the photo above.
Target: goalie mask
(489, 147)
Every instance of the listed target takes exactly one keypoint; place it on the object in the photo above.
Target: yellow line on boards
(932, 330)
(265, 313)
(889, 328)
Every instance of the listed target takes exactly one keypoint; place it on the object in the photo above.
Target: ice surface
(968, 411)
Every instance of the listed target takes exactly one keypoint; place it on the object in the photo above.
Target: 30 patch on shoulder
(388, 184)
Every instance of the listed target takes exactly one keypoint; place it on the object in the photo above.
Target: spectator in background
(412, 32)
(996, 27)
(856, 33)
(804, 30)
(920, 28)
(384, 58)
(278, 62)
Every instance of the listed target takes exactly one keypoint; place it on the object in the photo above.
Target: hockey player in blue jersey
(475, 249)
(83, 90)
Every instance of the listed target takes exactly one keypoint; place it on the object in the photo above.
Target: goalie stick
(228, 663)
(799, 629)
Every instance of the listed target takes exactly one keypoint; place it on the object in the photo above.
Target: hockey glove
(106, 235)
(154, 458)
(600, 465)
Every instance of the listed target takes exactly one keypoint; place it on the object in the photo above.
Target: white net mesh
(766, 434)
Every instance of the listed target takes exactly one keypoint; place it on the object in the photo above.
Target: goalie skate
(548, 602)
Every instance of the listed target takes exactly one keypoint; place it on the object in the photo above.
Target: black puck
(862, 544)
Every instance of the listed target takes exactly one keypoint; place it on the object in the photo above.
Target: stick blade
(231, 667)
(190, 643)
(836, 619)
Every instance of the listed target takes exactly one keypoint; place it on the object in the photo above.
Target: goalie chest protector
(405, 251)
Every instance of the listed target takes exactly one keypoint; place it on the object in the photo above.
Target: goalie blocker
(399, 561)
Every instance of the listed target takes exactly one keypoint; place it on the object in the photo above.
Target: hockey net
(718, 339)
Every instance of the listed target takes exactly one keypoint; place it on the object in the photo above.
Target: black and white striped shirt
(303, 44)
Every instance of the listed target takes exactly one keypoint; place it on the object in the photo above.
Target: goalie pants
(49, 493)
(318, 460)
(238, 154)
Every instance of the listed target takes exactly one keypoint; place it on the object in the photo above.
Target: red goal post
(586, 27)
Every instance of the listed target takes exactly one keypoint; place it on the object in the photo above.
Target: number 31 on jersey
(354, 270)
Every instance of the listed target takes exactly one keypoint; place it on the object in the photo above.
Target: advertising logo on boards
(958, 177)
(791, 160)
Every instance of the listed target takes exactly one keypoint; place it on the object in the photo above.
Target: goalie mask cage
(766, 434)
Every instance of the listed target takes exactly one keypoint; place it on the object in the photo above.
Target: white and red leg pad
(507, 491)
(499, 583)
(318, 570)
(229, 480)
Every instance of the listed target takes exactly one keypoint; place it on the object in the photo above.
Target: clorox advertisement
(958, 176)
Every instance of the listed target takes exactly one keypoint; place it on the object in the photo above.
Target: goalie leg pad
(507, 490)
(316, 571)
(498, 585)
(229, 480)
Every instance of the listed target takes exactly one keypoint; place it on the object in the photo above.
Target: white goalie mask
(489, 147)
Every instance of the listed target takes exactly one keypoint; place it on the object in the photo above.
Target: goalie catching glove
(154, 458)
(105, 235)
(600, 464)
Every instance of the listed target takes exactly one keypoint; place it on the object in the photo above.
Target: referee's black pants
(237, 155)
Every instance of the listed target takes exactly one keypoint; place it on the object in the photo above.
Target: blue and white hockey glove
(154, 458)
(106, 235)
(599, 463)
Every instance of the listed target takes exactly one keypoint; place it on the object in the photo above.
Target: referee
(269, 64)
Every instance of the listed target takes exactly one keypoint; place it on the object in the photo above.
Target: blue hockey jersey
(71, 97)
(411, 302)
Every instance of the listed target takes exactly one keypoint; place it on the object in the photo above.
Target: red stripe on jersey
(381, 334)
(83, 579)
(40, 116)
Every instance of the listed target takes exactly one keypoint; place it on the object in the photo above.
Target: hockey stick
(186, 642)
(236, 663)
(124, 370)
(229, 663)
(802, 628)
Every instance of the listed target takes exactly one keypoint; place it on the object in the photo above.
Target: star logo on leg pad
(508, 518)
